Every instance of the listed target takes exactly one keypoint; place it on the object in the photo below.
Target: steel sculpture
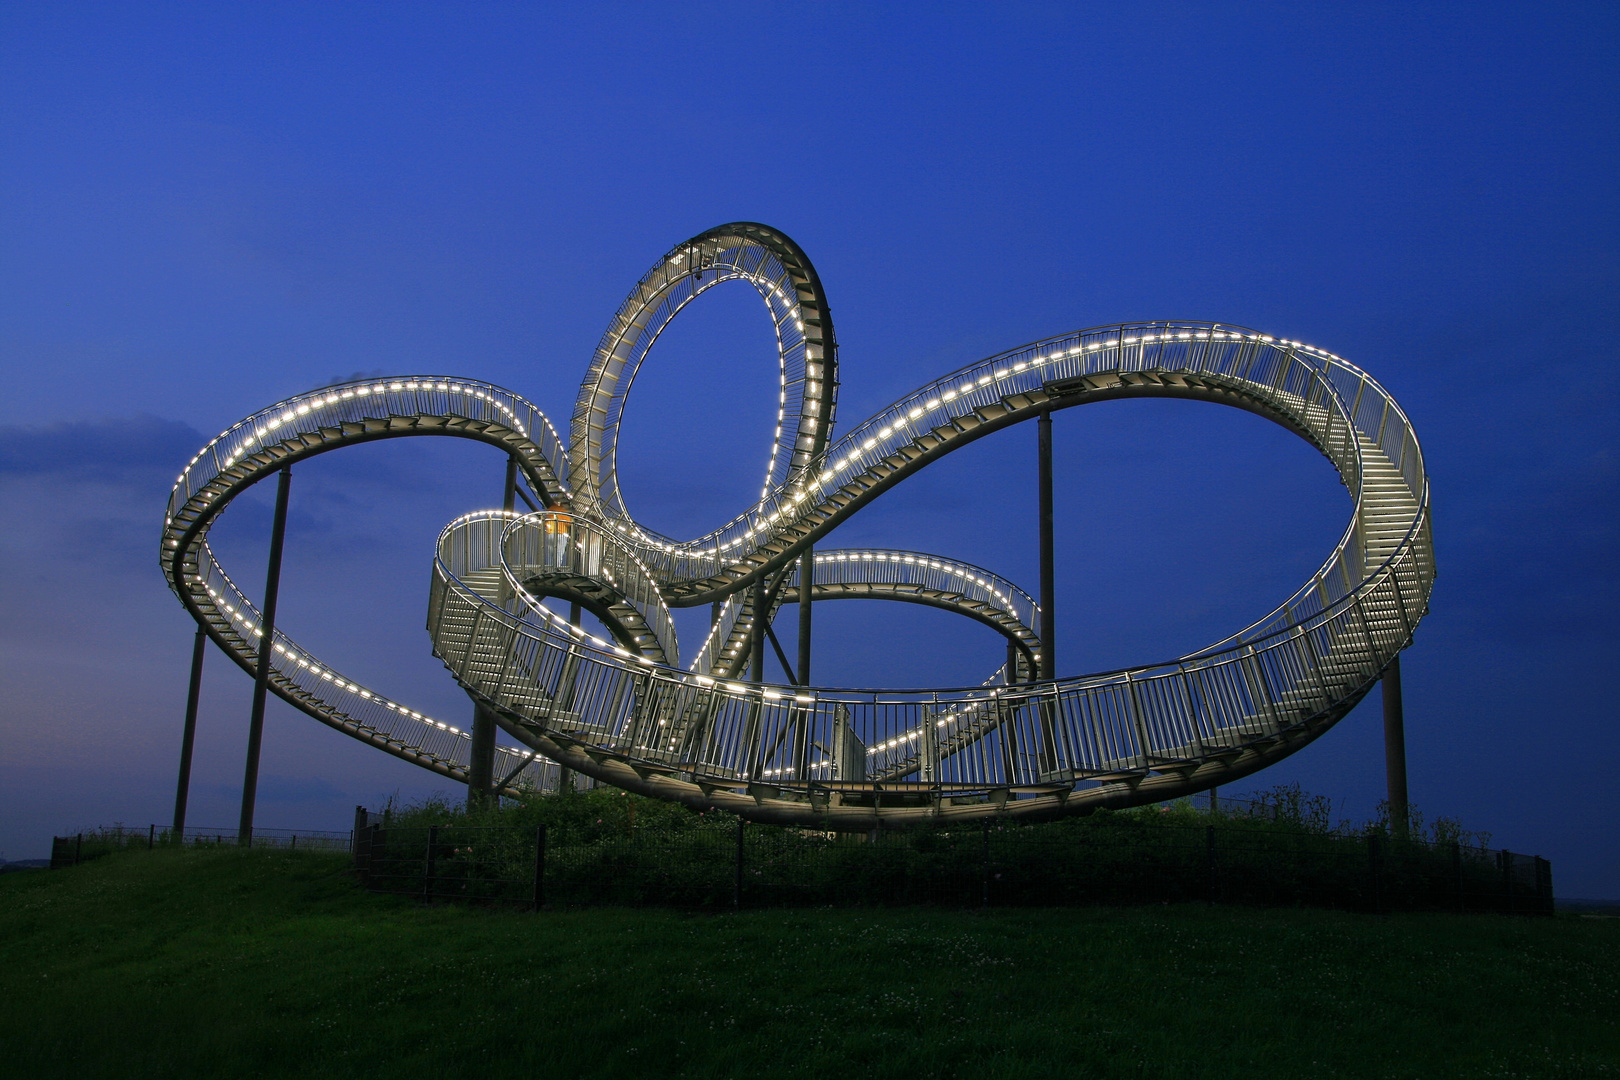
(623, 711)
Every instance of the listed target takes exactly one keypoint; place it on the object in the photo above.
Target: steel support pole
(1048, 665)
(1395, 748)
(481, 758)
(267, 648)
(565, 775)
(182, 788)
(481, 754)
(756, 658)
(807, 584)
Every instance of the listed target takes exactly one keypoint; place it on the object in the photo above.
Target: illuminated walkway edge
(625, 711)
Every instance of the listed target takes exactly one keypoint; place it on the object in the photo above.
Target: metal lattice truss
(624, 711)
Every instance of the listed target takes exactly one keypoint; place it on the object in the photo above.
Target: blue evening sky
(204, 209)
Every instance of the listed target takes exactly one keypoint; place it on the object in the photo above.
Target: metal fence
(1123, 862)
(94, 843)
(453, 862)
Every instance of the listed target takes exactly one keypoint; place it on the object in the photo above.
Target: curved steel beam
(823, 757)
(806, 353)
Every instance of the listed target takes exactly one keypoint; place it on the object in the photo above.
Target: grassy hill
(236, 963)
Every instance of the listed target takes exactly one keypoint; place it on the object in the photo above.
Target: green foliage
(609, 847)
(570, 816)
(1442, 831)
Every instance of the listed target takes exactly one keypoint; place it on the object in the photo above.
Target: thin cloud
(121, 450)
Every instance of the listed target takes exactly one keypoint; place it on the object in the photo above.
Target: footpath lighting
(720, 724)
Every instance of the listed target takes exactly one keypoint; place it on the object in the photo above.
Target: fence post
(1507, 878)
(1544, 891)
(1209, 861)
(366, 852)
(360, 819)
(1374, 851)
(78, 849)
(151, 836)
(1457, 873)
(984, 873)
(427, 875)
(539, 866)
(736, 890)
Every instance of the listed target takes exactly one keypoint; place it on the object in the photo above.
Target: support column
(756, 635)
(1395, 748)
(751, 761)
(182, 789)
(481, 754)
(807, 584)
(267, 647)
(1048, 665)
(565, 775)
(481, 759)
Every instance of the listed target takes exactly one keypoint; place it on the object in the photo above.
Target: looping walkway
(625, 712)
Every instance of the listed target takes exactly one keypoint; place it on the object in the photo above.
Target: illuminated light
(947, 395)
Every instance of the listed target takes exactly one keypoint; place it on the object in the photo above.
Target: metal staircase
(622, 710)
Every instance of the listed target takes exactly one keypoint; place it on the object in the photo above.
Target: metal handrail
(624, 712)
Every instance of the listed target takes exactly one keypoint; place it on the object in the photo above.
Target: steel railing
(623, 710)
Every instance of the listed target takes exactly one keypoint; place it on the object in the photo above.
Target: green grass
(238, 963)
